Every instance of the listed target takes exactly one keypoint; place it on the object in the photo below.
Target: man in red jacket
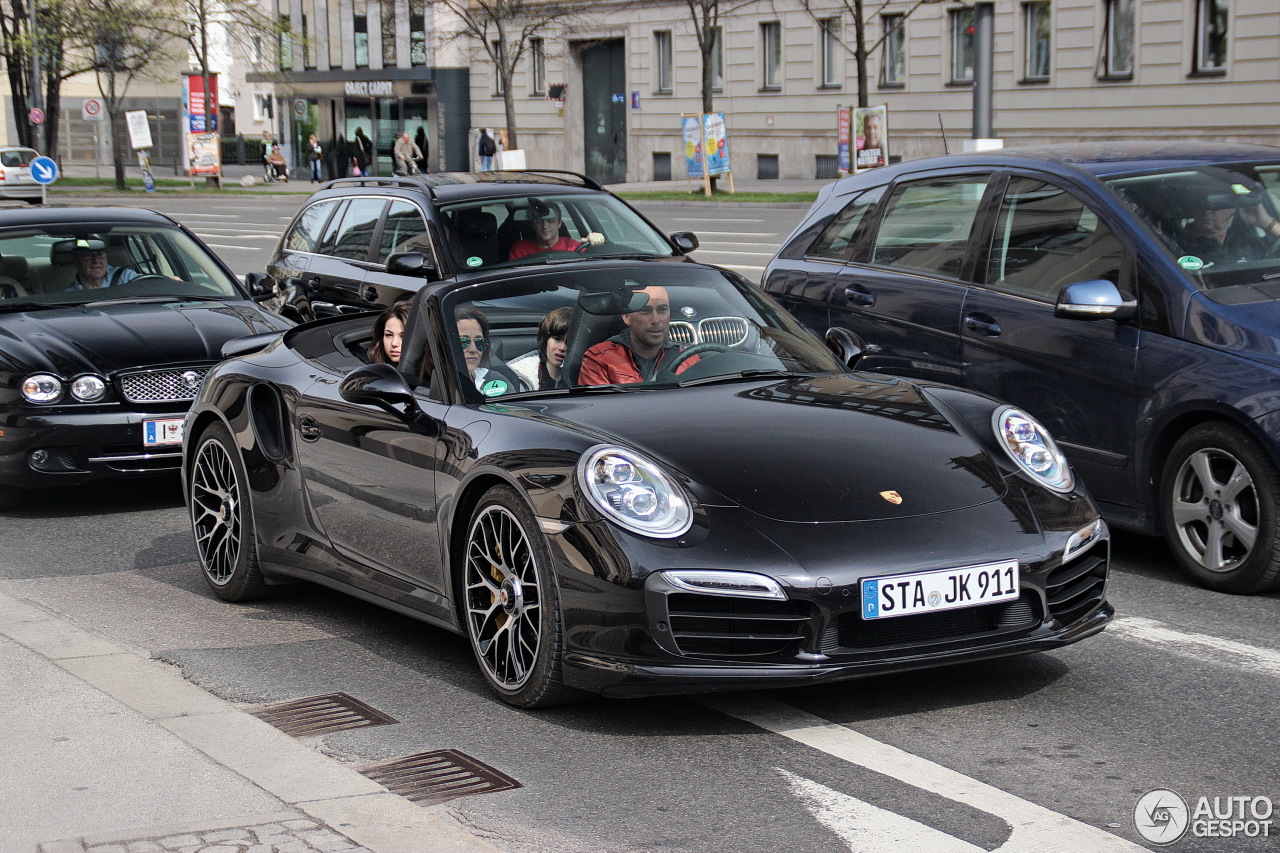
(638, 353)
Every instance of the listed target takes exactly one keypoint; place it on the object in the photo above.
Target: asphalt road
(1048, 752)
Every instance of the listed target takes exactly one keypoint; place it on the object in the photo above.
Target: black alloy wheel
(512, 607)
(1218, 501)
(221, 519)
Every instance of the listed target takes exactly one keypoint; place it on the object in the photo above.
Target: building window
(538, 65)
(771, 40)
(360, 27)
(830, 51)
(498, 88)
(417, 32)
(1211, 36)
(1037, 41)
(717, 59)
(388, 33)
(893, 71)
(308, 61)
(962, 45)
(1118, 61)
(286, 43)
(262, 110)
(255, 50)
(662, 59)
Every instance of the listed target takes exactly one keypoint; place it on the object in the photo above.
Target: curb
(313, 785)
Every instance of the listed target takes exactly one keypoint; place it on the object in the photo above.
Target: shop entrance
(382, 120)
(604, 101)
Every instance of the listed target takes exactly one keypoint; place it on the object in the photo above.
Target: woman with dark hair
(388, 334)
(541, 367)
(490, 379)
(361, 153)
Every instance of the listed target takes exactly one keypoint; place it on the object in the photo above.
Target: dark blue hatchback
(1126, 294)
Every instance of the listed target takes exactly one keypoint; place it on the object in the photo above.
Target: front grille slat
(705, 625)
(1076, 587)
(168, 385)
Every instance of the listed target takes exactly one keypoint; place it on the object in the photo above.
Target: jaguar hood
(106, 338)
(823, 449)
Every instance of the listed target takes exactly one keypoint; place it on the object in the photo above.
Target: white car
(15, 175)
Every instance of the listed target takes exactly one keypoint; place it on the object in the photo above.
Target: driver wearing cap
(89, 257)
(545, 217)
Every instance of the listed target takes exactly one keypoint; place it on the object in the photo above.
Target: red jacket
(611, 363)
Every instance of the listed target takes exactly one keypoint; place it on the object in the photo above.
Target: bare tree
(125, 49)
(861, 52)
(706, 16)
(504, 29)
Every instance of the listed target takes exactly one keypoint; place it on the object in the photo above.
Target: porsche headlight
(1033, 449)
(41, 388)
(634, 493)
(88, 388)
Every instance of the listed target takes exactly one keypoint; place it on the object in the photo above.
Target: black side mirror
(377, 385)
(260, 286)
(844, 344)
(411, 263)
(685, 241)
(1095, 300)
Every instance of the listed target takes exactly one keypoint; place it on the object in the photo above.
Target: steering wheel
(601, 248)
(668, 371)
(149, 277)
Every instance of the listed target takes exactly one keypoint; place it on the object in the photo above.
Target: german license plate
(944, 589)
(162, 432)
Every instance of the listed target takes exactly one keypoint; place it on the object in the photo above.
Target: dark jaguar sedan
(109, 319)
(747, 513)
(1126, 294)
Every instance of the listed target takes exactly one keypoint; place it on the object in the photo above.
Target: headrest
(474, 222)
(15, 266)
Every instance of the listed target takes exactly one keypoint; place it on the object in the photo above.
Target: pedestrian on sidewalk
(316, 156)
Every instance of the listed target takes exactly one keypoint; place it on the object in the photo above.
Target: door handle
(308, 428)
(982, 325)
(859, 295)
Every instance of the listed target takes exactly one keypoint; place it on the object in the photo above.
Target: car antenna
(943, 128)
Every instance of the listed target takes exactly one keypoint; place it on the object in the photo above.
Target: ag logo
(1161, 816)
(494, 388)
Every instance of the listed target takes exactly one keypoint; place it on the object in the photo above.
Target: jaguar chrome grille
(726, 331)
(1078, 585)
(725, 626)
(170, 385)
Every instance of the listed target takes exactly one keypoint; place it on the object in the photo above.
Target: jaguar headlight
(41, 388)
(88, 388)
(634, 493)
(1033, 449)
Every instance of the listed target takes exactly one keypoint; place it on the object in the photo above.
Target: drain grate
(437, 776)
(319, 715)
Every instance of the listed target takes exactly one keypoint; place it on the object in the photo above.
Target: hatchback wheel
(1219, 496)
(511, 602)
(222, 520)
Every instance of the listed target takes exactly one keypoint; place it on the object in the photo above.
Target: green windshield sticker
(1190, 262)
(474, 261)
(494, 387)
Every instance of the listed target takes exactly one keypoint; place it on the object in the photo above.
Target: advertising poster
(717, 143)
(844, 139)
(692, 145)
(193, 102)
(204, 155)
(873, 137)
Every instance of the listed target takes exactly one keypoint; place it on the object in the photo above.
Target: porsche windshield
(1219, 223)
(72, 265)
(643, 325)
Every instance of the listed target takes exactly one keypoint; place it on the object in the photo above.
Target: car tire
(1218, 500)
(511, 604)
(222, 520)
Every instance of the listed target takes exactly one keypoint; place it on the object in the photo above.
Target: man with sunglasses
(636, 354)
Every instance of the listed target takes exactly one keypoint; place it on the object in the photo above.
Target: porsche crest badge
(892, 497)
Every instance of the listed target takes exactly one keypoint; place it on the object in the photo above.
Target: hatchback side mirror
(411, 263)
(845, 344)
(378, 385)
(685, 241)
(260, 286)
(1095, 300)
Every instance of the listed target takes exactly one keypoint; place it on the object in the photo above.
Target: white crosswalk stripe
(1201, 647)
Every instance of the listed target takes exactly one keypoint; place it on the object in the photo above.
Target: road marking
(1201, 647)
(739, 233)
(728, 252)
(271, 237)
(718, 219)
(1033, 828)
(741, 267)
(218, 215)
(870, 829)
(223, 246)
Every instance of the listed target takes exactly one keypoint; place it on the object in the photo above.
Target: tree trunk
(860, 54)
(52, 116)
(509, 102)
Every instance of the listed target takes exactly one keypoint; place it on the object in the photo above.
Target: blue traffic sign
(44, 170)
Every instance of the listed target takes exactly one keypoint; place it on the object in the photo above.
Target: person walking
(315, 154)
(486, 148)
(361, 153)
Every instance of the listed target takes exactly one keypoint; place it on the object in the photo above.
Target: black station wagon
(1125, 294)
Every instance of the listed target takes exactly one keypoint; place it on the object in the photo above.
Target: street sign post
(91, 109)
(44, 171)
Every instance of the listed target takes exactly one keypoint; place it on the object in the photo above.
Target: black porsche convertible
(750, 513)
(109, 319)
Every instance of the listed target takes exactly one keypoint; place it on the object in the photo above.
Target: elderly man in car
(89, 257)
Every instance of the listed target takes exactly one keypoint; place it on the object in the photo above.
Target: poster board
(844, 140)
(706, 148)
(872, 127)
(200, 138)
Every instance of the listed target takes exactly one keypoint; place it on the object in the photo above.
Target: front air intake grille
(1076, 587)
(856, 633)
(725, 626)
(172, 385)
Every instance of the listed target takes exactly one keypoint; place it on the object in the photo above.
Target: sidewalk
(111, 752)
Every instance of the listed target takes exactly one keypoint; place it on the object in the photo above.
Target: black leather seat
(477, 235)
